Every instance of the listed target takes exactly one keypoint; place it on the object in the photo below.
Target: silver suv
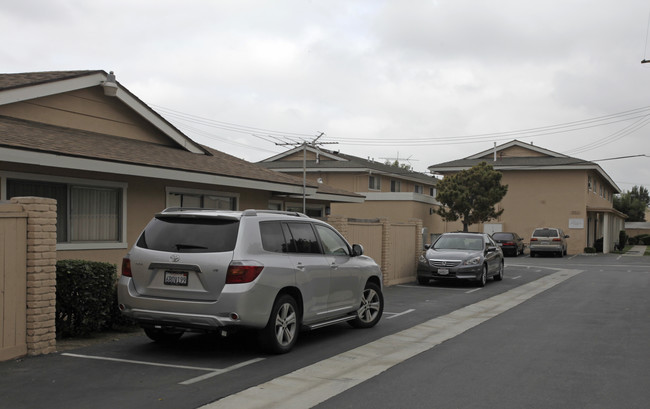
(548, 240)
(217, 271)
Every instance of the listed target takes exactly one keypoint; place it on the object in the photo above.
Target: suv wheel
(371, 308)
(281, 332)
(162, 336)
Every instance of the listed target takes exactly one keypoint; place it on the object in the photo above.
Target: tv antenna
(314, 144)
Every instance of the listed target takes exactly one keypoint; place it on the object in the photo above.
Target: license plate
(176, 278)
(443, 271)
(500, 244)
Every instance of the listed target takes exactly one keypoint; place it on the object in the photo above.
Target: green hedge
(86, 298)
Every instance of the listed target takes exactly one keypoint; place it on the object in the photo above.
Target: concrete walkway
(636, 251)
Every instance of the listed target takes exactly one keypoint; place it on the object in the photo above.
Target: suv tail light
(533, 239)
(242, 272)
(556, 239)
(126, 267)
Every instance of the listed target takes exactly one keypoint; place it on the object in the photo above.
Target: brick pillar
(41, 273)
(339, 223)
(419, 240)
(386, 250)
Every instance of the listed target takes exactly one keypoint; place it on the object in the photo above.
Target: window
(303, 239)
(184, 235)
(332, 242)
(179, 197)
(395, 186)
(374, 182)
(84, 213)
(418, 189)
(273, 237)
(589, 183)
(432, 192)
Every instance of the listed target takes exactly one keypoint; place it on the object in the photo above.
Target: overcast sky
(428, 81)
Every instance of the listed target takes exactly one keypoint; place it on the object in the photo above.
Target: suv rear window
(545, 233)
(190, 235)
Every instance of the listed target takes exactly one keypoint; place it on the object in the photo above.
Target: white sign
(576, 223)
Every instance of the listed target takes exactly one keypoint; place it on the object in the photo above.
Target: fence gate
(13, 285)
(369, 235)
(404, 252)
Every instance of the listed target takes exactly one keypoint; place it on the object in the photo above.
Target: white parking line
(424, 287)
(313, 384)
(397, 314)
(211, 371)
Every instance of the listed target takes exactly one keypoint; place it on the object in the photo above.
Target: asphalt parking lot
(131, 371)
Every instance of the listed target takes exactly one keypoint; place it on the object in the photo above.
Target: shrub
(633, 241)
(86, 298)
(590, 250)
(622, 239)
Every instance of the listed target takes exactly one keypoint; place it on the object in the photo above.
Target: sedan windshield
(459, 243)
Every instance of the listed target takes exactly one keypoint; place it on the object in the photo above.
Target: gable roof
(35, 143)
(528, 157)
(30, 85)
(339, 162)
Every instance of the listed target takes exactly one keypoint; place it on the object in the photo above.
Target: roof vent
(110, 85)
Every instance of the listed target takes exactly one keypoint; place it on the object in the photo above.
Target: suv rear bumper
(233, 309)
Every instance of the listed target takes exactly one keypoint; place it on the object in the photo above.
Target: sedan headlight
(472, 261)
(422, 259)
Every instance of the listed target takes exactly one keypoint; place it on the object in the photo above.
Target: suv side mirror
(566, 236)
(357, 250)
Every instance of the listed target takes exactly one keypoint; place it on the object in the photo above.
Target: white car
(216, 271)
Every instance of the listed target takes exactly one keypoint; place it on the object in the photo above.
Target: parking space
(205, 366)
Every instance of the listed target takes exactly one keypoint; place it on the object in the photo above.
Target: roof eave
(128, 169)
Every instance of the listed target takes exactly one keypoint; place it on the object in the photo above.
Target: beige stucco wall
(549, 198)
(145, 197)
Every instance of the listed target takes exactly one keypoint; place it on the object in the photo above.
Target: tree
(471, 194)
(396, 164)
(633, 203)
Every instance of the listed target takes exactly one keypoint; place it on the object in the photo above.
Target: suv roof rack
(253, 212)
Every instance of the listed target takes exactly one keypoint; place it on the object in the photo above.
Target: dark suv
(216, 271)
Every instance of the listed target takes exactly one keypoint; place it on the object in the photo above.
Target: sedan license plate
(178, 278)
(443, 271)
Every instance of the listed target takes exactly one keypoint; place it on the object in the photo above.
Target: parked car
(218, 271)
(510, 242)
(461, 256)
(549, 240)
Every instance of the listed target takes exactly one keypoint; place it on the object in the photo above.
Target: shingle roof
(8, 81)
(349, 162)
(39, 137)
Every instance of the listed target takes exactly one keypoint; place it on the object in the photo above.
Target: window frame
(374, 186)
(169, 190)
(121, 243)
(395, 186)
